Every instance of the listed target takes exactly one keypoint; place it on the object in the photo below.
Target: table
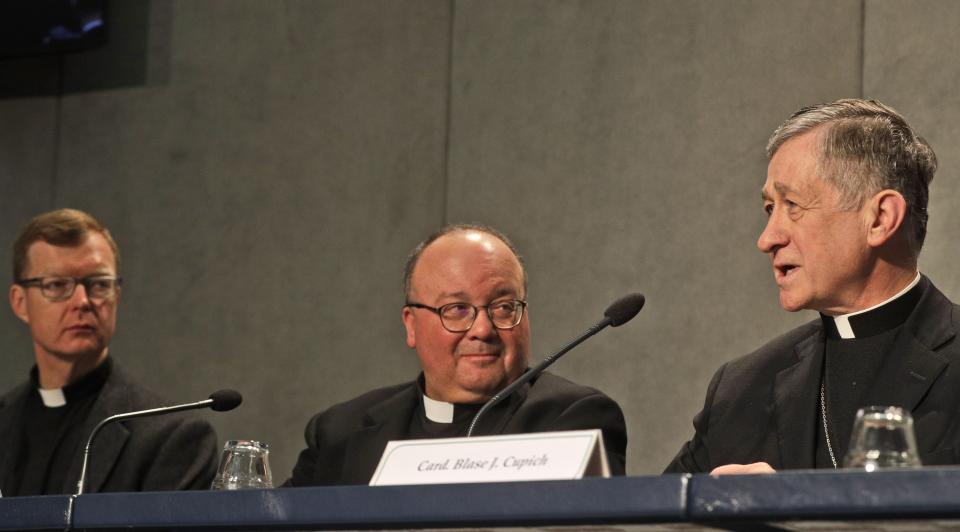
(928, 498)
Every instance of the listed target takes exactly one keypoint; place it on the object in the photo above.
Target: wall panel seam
(57, 135)
(863, 46)
(445, 179)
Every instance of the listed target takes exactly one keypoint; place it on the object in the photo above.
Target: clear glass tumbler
(244, 464)
(882, 438)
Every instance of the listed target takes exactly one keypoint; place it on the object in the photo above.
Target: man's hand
(755, 468)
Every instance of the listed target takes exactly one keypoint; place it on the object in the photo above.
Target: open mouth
(785, 271)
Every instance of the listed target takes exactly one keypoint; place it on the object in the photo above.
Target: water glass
(244, 464)
(882, 437)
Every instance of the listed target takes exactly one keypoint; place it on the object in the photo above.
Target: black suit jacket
(345, 442)
(764, 406)
(169, 452)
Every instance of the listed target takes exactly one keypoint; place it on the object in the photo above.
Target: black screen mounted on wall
(35, 27)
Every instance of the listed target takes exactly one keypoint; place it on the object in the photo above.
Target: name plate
(515, 457)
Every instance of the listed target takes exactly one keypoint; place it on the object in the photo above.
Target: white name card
(514, 457)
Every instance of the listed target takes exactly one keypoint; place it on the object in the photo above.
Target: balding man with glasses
(66, 289)
(465, 315)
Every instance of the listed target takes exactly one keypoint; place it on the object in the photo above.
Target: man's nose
(80, 296)
(482, 327)
(773, 236)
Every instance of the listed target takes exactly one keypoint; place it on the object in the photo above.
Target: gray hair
(414, 256)
(867, 147)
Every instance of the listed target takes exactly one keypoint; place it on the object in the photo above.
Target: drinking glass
(243, 464)
(882, 437)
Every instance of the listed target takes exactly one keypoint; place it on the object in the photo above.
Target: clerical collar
(437, 411)
(876, 319)
(443, 412)
(88, 385)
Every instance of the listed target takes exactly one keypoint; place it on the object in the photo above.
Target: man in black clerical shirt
(465, 315)
(66, 289)
(846, 201)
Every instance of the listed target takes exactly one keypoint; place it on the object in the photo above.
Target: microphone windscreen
(224, 400)
(624, 309)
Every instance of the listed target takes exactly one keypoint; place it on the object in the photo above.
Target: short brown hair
(867, 147)
(62, 227)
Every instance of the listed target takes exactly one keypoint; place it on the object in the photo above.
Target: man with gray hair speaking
(846, 201)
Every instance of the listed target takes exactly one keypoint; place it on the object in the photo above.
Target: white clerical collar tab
(846, 330)
(843, 327)
(52, 398)
(437, 411)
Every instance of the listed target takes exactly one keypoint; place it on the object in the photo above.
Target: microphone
(619, 312)
(220, 401)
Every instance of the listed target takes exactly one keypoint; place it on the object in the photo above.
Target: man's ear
(18, 302)
(408, 320)
(887, 210)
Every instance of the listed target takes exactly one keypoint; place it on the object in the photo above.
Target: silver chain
(826, 430)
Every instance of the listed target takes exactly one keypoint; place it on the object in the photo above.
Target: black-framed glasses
(459, 317)
(62, 288)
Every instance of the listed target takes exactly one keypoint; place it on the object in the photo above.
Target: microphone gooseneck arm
(619, 312)
(140, 413)
(535, 371)
(220, 401)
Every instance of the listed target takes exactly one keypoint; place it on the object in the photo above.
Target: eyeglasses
(459, 317)
(62, 288)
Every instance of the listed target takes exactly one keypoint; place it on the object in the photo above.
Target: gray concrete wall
(266, 166)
